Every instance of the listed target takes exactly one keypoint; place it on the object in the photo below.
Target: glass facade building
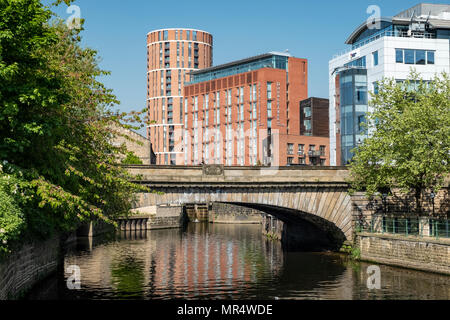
(417, 38)
(273, 61)
(353, 108)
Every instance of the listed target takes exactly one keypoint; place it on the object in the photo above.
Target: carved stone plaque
(212, 169)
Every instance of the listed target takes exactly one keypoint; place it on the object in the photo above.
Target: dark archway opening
(303, 231)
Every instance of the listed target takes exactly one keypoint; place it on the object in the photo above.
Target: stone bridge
(314, 194)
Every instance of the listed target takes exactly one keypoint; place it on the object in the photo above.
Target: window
(399, 55)
(361, 121)
(290, 148)
(375, 58)
(307, 112)
(375, 87)
(322, 162)
(301, 149)
(420, 56)
(361, 62)
(430, 57)
(411, 56)
(269, 90)
(307, 124)
(269, 109)
(301, 161)
(290, 160)
(322, 151)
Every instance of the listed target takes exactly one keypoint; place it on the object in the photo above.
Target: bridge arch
(328, 207)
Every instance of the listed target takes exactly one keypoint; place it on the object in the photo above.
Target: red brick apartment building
(171, 55)
(247, 112)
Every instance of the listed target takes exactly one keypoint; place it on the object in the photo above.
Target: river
(219, 261)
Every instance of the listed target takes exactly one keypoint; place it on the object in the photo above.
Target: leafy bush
(11, 216)
(131, 158)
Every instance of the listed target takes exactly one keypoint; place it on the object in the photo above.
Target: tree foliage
(57, 123)
(131, 158)
(408, 148)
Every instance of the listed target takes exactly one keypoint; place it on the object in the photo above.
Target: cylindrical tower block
(171, 55)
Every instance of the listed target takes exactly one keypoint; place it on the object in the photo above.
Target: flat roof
(238, 62)
(422, 10)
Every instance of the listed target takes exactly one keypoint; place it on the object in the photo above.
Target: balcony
(314, 154)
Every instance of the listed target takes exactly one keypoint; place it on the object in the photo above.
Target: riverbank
(225, 261)
(35, 261)
(420, 253)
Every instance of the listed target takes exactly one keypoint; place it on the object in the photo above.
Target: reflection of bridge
(315, 194)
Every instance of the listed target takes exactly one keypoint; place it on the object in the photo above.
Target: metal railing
(418, 226)
(400, 34)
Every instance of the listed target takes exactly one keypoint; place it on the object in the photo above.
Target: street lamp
(384, 196)
(432, 196)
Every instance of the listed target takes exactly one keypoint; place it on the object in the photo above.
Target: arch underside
(327, 207)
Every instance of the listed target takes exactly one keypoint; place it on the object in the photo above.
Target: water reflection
(224, 262)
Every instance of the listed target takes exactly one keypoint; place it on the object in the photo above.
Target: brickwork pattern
(24, 268)
(417, 253)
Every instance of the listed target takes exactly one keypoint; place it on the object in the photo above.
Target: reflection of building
(418, 37)
(171, 55)
(247, 112)
(202, 260)
(176, 264)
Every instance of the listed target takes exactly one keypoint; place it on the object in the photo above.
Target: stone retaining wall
(166, 217)
(229, 213)
(426, 254)
(24, 268)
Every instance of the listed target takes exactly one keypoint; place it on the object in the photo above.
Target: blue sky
(315, 30)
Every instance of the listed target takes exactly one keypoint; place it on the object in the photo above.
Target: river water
(214, 261)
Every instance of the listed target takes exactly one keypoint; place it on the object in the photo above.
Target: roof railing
(401, 34)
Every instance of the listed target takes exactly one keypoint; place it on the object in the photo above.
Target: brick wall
(24, 268)
(417, 253)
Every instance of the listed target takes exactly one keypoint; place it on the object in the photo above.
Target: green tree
(131, 158)
(408, 148)
(55, 123)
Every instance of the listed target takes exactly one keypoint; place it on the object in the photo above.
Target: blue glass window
(409, 56)
(420, 56)
(375, 58)
(399, 55)
(430, 57)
